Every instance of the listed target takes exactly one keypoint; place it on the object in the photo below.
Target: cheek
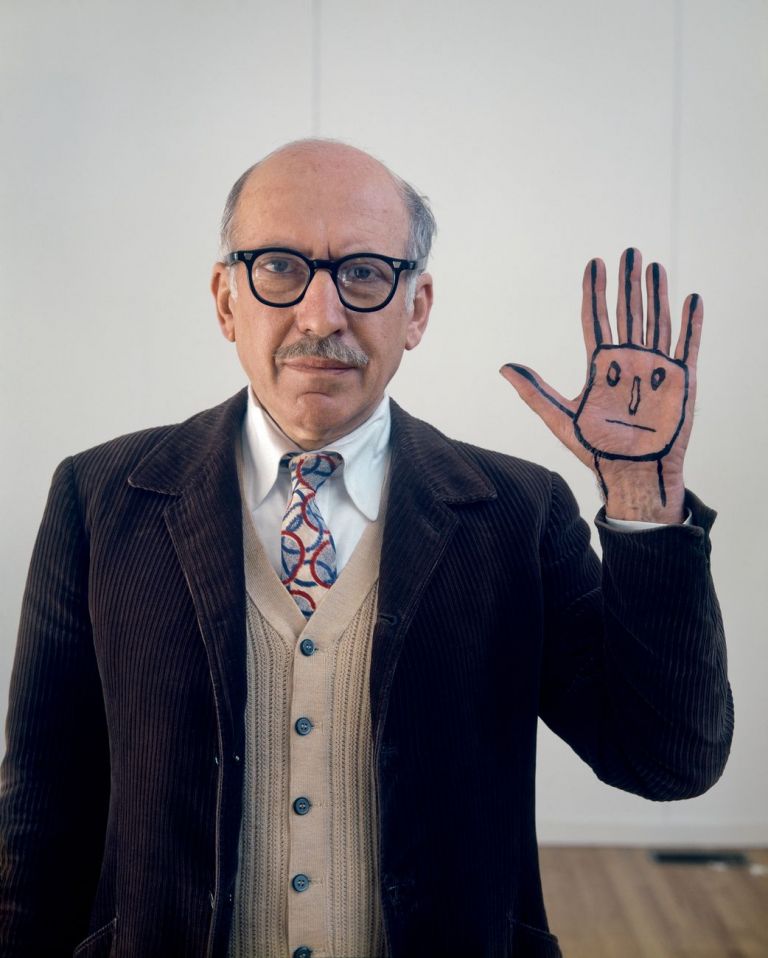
(258, 338)
(390, 358)
(602, 394)
(654, 399)
(255, 357)
(663, 411)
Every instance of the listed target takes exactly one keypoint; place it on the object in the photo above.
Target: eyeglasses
(280, 277)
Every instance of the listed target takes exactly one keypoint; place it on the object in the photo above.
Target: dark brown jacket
(122, 784)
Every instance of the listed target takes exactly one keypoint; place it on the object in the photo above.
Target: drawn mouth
(630, 425)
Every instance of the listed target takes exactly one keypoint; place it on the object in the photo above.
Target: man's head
(318, 367)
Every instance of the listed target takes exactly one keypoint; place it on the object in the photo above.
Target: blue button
(307, 646)
(300, 882)
(302, 805)
(302, 952)
(303, 726)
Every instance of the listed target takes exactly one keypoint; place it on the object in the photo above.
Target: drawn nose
(634, 400)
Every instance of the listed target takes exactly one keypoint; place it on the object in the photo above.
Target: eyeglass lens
(364, 281)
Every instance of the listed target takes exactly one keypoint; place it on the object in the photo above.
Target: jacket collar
(433, 466)
(199, 448)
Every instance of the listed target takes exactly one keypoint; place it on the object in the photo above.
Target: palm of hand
(635, 407)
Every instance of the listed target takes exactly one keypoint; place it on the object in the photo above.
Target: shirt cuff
(637, 525)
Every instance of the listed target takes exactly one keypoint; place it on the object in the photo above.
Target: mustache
(327, 347)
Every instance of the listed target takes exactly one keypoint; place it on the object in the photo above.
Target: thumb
(555, 410)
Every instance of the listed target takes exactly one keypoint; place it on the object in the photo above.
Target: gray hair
(421, 230)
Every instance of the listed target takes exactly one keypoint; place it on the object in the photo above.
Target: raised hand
(632, 420)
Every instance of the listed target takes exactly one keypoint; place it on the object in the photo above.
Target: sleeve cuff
(637, 525)
(701, 520)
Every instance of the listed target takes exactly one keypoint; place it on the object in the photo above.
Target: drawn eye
(614, 374)
(657, 377)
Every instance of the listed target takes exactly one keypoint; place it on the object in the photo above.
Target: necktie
(308, 552)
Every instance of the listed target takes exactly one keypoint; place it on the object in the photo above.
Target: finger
(658, 333)
(556, 411)
(594, 309)
(629, 309)
(690, 330)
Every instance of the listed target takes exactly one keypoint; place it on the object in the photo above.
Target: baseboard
(656, 835)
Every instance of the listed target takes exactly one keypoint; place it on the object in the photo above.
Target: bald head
(327, 203)
(339, 165)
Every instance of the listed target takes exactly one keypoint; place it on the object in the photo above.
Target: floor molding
(662, 835)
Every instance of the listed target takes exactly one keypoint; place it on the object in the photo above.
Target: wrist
(642, 491)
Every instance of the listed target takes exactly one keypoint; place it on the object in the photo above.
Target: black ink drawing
(639, 377)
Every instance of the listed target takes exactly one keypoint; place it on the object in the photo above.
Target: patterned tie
(308, 552)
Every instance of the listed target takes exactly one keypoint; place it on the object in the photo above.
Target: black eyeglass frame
(249, 257)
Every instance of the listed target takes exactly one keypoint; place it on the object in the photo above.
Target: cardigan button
(302, 805)
(300, 882)
(302, 952)
(303, 726)
(307, 646)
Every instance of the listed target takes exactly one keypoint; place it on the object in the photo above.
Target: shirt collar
(365, 451)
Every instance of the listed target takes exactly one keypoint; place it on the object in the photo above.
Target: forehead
(325, 202)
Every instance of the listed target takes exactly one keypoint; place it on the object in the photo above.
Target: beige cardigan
(334, 843)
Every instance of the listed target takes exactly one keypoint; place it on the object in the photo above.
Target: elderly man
(280, 666)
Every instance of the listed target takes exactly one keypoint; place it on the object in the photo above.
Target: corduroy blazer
(122, 783)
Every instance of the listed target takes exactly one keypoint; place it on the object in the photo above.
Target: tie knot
(310, 470)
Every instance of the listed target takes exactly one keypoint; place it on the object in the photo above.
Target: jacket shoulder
(185, 445)
(498, 463)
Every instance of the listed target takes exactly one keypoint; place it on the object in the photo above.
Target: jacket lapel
(429, 478)
(195, 466)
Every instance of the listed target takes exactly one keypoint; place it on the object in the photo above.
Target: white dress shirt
(349, 501)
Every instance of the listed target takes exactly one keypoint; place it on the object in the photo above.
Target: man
(206, 760)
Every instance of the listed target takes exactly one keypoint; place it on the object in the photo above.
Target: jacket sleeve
(55, 774)
(634, 671)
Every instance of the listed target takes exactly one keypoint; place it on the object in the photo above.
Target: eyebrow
(344, 249)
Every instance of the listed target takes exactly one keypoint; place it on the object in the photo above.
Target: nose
(321, 312)
(634, 400)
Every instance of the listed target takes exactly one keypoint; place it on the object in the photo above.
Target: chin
(313, 418)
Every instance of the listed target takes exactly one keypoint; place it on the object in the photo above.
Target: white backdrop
(544, 134)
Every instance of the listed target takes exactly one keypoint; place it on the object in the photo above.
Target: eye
(614, 374)
(360, 274)
(364, 272)
(277, 264)
(657, 377)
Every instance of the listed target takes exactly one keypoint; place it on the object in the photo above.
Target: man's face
(324, 201)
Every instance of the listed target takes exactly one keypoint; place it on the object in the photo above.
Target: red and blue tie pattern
(307, 549)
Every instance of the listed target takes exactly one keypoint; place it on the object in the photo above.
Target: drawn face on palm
(634, 404)
(628, 408)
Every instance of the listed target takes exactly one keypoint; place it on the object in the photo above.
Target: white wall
(544, 134)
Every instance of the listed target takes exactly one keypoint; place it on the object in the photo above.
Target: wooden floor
(618, 903)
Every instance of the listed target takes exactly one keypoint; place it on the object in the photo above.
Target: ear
(224, 298)
(422, 305)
